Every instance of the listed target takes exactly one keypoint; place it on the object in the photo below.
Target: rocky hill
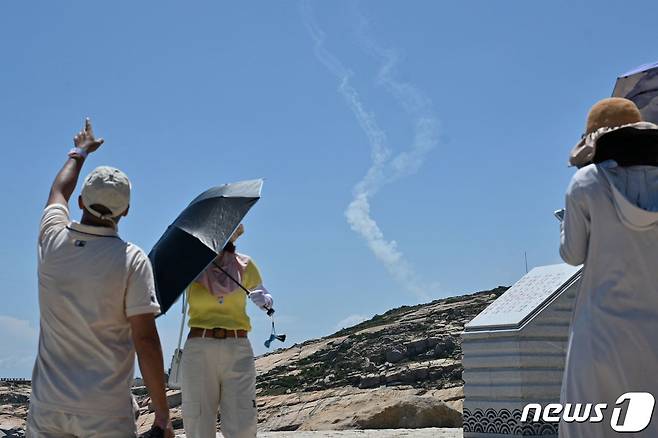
(401, 369)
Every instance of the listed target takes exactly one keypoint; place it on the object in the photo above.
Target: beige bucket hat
(606, 114)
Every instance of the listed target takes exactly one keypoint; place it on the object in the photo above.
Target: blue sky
(191, 95)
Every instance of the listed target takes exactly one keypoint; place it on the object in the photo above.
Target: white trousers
(47, 423)
(219, 373)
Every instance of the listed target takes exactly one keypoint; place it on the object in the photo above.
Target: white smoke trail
(426, 129)
(384, 168)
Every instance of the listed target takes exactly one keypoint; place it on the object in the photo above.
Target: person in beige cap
(97, 307)
(611, 226)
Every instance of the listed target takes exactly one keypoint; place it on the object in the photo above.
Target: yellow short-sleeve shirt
(230, 312)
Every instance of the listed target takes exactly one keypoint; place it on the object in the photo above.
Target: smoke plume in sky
(387, 165)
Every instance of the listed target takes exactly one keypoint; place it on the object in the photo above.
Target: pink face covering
(218, 283)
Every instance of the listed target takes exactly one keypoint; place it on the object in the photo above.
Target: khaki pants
(219, 373)
(47, 423)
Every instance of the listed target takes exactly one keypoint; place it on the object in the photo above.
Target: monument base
(514, 354)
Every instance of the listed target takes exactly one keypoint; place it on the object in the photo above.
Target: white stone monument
(514, 354)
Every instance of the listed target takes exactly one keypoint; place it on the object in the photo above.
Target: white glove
(261, 297)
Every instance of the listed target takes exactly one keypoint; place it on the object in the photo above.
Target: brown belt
(217, 333)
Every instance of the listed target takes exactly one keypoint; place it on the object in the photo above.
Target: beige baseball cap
(108, 187)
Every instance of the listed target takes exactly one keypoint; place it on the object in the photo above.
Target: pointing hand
(85, 139)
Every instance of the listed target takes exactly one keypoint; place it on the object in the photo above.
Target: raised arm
(67, 178)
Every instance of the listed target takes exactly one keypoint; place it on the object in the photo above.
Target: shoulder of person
(252, 270)
(136, 255)
(586, 179)
(249, 260)
(55, 215)
(54, 219)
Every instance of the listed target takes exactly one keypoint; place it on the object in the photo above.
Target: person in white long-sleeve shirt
(611, 226)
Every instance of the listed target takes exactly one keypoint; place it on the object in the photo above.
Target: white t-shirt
(90, 282)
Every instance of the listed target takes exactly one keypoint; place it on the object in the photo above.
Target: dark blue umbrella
(641, 86)
(197, 235)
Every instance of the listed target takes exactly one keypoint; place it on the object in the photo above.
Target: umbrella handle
(247, 291)
(270, 311)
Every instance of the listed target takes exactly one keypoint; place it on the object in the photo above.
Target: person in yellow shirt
(218, 369)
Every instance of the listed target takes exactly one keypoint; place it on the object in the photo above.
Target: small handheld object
(559, 214)
(274, 336)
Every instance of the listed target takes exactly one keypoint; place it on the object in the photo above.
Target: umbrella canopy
(641, 86)
(197, 235)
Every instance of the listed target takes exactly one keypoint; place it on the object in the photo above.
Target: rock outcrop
(381, 368)
(352, 408)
